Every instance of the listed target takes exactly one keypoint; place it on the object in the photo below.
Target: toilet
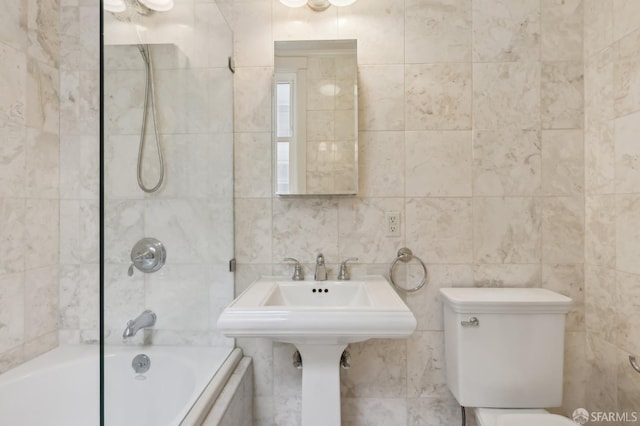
(504, 353)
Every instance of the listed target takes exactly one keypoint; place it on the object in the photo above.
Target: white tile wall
(453, 99)
(533, 83)
(79, 180)
(192, 212)
(612, 108)
(196, 126)
(29, 184)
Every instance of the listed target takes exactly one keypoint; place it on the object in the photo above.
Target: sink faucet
(298, 274)
(343, 274)
(321, 269)
(145, 320)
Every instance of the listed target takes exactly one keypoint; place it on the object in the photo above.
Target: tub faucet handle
(147, 255)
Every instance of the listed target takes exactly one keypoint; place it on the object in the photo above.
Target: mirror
(315, 117)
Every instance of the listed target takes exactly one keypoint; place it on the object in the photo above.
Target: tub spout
(144, 320)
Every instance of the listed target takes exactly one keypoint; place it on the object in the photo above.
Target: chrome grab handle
(473, 322)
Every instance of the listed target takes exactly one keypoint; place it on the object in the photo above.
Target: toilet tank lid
(504, 300)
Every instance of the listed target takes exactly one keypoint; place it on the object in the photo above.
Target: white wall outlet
(392, 224)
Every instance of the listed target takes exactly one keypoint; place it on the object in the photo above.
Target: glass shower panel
(167, 252)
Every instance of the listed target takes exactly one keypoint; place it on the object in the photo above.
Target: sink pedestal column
(321, 384)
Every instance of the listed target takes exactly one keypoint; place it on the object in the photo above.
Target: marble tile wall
(471, 127)
(79, 171)
(192, 213)
(29, 184)
(234, 405)
(191, 137)
(612, 276)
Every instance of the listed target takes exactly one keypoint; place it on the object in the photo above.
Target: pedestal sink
(320, 318)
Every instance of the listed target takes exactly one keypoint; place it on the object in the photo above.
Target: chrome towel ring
(405, 255)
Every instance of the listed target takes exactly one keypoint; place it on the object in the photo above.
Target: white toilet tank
(511, 355)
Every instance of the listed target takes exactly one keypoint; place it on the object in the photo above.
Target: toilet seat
(519, 417)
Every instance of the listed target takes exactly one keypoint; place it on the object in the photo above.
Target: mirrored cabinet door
(315, 117)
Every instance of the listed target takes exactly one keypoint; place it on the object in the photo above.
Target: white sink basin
(327, 294)
(321, 318)
(318, 312)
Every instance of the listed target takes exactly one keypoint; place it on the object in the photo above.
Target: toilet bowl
(519, 417)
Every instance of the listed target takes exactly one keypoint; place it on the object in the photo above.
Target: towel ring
(405, 255)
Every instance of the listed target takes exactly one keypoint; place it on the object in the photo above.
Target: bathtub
(61, 387)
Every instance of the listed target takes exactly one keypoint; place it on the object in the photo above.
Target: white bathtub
(61, 387)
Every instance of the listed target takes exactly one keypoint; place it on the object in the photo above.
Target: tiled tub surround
(192, 213)
(49, 177)
(29, 185)
(234, 405)
(79, 171)
(475, 140)
(181, 128)
(612, 186)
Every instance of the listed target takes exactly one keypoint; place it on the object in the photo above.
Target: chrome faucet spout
(145, 320)
(321, 269)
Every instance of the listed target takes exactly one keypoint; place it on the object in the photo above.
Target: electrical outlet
(392, 224)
